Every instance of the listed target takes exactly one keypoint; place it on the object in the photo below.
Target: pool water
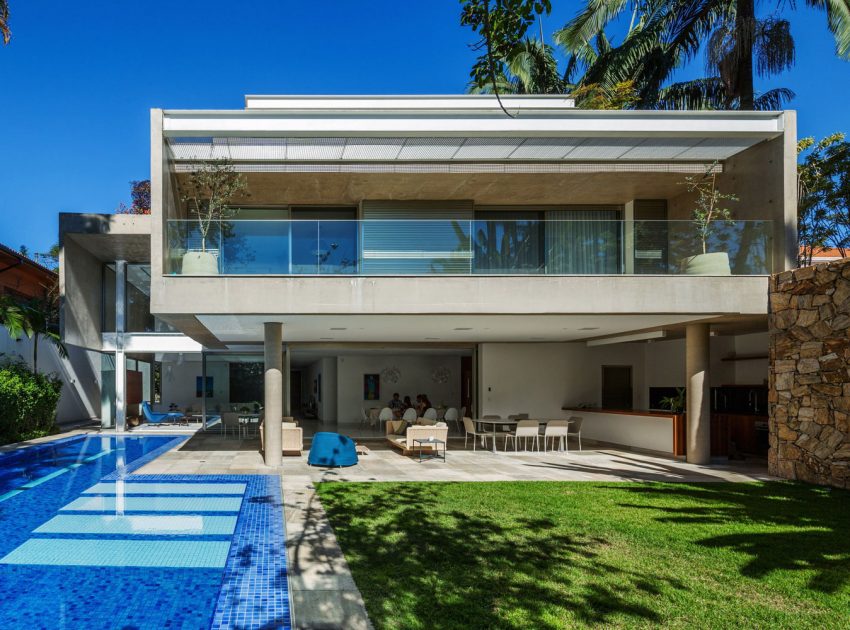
(86, 544)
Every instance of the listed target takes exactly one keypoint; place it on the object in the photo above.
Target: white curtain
(584, 240)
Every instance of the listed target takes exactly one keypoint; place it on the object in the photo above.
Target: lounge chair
(160, 418)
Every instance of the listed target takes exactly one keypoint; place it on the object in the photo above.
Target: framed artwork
(199, 386)
(371, 387)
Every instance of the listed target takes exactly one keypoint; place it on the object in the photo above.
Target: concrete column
(273, 392)
(120, 357)
(697, 362)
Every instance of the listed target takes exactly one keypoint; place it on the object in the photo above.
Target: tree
(42, 323)
(823, 214)
(5, 33)
(502, 26)
(665, 34)
(140, 195)
(13, 317)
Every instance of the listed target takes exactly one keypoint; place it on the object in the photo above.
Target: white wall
(541, 378)
(751, 371)
(416, 378)
(80, 375)
(179, 383)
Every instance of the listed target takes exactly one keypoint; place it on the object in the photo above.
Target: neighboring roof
(26, 260)
(828, 253)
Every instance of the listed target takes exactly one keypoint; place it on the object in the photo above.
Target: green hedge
(27, 403)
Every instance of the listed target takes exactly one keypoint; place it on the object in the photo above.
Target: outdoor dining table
(495, 422)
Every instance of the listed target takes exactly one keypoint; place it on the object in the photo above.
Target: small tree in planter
(210, 189)
(709, 209)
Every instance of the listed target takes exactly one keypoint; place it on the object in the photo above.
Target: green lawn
(574, 554)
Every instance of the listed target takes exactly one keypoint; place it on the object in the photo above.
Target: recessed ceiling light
(590, 328)
(338, 329)
(463, 328)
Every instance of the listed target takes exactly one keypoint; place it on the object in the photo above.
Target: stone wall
(809, 383)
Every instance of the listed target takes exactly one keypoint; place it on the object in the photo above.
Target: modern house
(535, 262)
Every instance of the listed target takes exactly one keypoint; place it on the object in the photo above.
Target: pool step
(118, 520)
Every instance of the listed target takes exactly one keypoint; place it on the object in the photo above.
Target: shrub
(28, 402)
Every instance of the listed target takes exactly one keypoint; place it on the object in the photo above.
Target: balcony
(468, 248)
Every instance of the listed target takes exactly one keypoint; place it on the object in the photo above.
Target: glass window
(508, 242)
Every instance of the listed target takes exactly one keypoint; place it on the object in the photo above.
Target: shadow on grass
(777, 525)
(421, 563)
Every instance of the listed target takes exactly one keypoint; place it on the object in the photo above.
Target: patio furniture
(159, 418)
(556, 429)
(386, 414)
(575, 429)
(291, 437)
(452, 416)
(430, 414)
(332, 450)
(433, 445)
(404, 441)
(495, 422)
(470, 429)
(409, 415)
(524, 429)
(229, 421)
(364, 417)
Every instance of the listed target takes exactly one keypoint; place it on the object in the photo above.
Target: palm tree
(530, 68)
(5, 33)
(41, 325)
(13, 318)
(665, 34)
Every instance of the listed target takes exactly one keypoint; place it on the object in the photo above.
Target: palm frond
(4, 22)
(774, 99)
(708, 93)
(838, 21)
(773, 46)
(597, 14)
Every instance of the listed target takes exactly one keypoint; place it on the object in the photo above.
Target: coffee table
(433, 454)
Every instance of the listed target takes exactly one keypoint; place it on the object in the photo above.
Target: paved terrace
(324, 594)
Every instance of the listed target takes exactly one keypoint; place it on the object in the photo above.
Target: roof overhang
(276, 129)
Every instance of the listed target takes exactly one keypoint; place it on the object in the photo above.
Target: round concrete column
(697, 360)
(273, 392)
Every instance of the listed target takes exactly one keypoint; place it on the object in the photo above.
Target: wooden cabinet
(742, 430)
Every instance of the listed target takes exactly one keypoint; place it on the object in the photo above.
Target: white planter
(713, 264)
(200, 264)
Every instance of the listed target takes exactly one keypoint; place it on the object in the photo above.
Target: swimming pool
(86, 544)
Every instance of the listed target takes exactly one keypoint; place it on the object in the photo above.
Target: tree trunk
(745, 26)
(35, 353)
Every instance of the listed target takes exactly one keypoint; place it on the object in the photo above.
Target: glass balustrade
(469, 247)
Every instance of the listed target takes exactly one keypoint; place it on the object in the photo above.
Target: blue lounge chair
(159, 418)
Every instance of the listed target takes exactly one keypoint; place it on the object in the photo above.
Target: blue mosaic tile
(250, 591)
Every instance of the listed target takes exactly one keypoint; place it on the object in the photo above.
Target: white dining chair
(364, 417)
(452, 416)
(575, 429)
(462, 412)
(556, 430)
(409, 414)
(430, 414)
(385, 415)
(469, 429)
(524, 429)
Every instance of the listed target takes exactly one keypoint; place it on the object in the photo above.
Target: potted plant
(210, 189)
(709, 210)
(676, 403)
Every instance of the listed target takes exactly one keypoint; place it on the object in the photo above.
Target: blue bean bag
(332, 450)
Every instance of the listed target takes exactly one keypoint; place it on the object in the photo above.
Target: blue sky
(78, 84)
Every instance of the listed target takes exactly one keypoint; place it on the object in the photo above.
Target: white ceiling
(434, 328)
(460, 148)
